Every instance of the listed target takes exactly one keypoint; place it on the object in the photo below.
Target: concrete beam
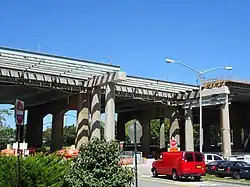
(102, 80)
(215, 91)
(204, 92)
(206, 101)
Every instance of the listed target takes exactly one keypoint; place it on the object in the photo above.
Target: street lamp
(200, 75)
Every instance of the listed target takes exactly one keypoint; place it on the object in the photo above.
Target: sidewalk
(145, 168)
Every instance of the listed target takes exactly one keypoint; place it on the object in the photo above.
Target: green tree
(155, 131)
(7, 133)
(97, 166)
(3, 114)
(47, 137)
(69, 134)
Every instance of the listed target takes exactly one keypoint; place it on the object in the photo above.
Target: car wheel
(237, 176)
(154, 172)
(197, 178)
(174, 175)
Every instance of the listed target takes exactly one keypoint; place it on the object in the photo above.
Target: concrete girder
(63, 104)
(204, 92)
(102, 80)
(206, 101)
(38, 79)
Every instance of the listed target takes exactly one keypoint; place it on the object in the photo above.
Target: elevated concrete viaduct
(53, 85)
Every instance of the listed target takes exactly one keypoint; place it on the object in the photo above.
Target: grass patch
(212, 177)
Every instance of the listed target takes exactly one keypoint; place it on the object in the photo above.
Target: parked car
(212, 157)
(180, 164)
(235, 169)
(245, 158)
(211, 167)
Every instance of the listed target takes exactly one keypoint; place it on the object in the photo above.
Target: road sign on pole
(19, 116)
(131, 132)
(135, 142)
(19, 112)
(173, 145)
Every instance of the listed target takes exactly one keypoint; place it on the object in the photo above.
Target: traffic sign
(19, 112)
(173, 143)
(131, 132)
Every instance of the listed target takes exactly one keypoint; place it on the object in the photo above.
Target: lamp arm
(189, 67)
(211, 69)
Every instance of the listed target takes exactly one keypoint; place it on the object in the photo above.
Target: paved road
(148, 181)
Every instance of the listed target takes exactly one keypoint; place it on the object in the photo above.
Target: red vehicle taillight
(214, 168)
(228, 169)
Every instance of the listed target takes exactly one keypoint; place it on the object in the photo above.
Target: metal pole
(200, 103)
(18, 155)
(135, 139)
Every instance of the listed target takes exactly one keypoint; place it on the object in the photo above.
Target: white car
(209, 157)
(245, 158)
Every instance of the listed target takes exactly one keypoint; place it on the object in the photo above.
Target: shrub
(45, 170)
(35, 171)
(97, 166)
(7, 171)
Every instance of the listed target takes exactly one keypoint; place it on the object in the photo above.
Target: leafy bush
(35, 171)
(45, 170)
(97, 166)
(7, 171)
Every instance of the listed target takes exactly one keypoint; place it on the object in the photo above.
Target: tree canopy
(7, 133)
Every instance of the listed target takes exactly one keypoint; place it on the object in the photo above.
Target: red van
(180, 164)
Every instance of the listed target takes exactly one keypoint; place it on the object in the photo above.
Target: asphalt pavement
(148, 181)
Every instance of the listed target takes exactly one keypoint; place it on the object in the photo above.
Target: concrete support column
(189, 137)
(145, 139)
(236, 120)
(209, 116)
(109, 131)
(174, 131)
(82, 127)
(162, 134)
(206, 137)
(247, 128)
(34, 129)
(121, 126)
(57, 131)
(95, 113)
(225, 129)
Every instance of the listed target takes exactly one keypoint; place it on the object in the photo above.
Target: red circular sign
(19, 112)
(173, 143)
(19, 105)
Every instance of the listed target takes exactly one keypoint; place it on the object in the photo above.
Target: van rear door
(188, 164)
(194, 162)
(199, 163)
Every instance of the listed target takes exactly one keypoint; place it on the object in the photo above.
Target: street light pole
(200, 77)
(200, 104)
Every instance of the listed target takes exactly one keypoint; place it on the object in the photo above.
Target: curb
(229, 182)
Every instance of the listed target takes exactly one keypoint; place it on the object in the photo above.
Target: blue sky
(137, 35)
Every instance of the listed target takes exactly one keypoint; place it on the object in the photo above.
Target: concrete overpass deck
(54, 84)
(41, 78)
